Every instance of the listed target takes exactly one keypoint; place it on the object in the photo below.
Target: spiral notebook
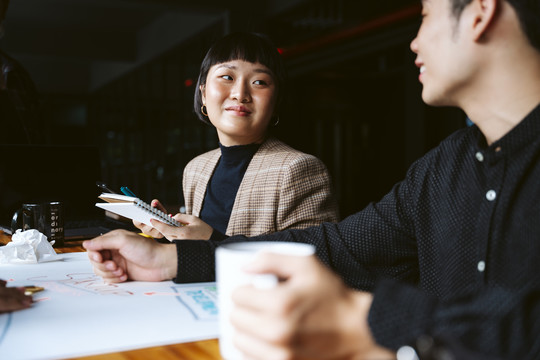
(135, 209)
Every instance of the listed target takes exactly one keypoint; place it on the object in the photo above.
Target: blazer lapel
(200, 187)
(248, 183)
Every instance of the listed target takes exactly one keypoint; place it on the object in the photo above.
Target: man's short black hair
(528, 12)
(252, 47)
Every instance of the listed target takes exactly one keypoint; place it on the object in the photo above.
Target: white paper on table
(27, 247)
(79, 315)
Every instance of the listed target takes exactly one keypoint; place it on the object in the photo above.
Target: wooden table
(198, 350)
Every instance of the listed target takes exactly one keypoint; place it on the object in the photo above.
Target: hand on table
(121, 255)
(310, 315)
(13, 298)
(194, 228)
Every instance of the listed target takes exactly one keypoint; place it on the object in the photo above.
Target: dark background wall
(126, 85)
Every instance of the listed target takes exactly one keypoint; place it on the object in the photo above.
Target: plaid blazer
(282, 188)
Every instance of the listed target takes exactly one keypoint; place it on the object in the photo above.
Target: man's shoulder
(449, 153)
(455, 143)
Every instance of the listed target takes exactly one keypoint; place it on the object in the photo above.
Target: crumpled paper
(27, 247)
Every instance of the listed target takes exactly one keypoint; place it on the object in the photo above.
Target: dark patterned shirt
(452, 251)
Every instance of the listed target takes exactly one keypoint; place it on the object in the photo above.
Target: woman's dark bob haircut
(251, 47)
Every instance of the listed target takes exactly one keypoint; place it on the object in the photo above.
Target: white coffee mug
(230, 259)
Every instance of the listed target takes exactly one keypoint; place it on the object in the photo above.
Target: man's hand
(311, 314)
(121, 255)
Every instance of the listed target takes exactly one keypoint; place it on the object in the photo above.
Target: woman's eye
(260, 82)
(226, 77)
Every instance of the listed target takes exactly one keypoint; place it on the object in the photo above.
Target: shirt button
(406, 353)
(479, 156)
(491, 195)
(481, 266)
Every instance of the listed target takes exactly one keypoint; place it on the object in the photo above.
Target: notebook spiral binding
(158, 213)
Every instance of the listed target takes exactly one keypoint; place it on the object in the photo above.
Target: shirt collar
(523, 134)
(238, 153)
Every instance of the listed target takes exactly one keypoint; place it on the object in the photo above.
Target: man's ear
(482, 14)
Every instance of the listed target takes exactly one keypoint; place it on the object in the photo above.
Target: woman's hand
(149, 230)
(193, 229)
(13, 298)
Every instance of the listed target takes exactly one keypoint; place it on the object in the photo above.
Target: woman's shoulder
(276, 147)
(209, 156)
(278, 152)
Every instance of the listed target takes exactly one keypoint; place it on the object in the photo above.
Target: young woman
(253, 183)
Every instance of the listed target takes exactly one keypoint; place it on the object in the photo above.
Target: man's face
(442, 54)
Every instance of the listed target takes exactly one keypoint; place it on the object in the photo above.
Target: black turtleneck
(223, 186)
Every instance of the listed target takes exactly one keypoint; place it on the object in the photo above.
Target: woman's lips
(238, 110)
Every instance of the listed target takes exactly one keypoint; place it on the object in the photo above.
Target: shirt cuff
(217, 236)
(196, 261)
(399, 314)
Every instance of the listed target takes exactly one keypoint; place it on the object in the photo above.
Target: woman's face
(239, 97)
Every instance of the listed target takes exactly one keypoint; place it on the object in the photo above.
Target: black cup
(47, 218)
(30, 216)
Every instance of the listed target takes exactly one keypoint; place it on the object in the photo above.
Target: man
(451, 252)
(18, 98)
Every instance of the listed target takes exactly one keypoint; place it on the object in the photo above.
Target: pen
(104, 187)
(127, 192)
(32, 289)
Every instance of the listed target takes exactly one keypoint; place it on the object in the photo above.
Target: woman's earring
(203, 110)
(276, 122)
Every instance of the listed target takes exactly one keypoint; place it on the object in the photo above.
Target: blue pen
(127, 192)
